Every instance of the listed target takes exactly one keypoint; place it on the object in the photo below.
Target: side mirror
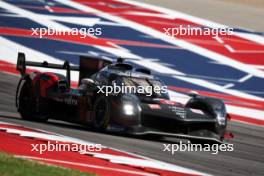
(87, 81)
(193, 94)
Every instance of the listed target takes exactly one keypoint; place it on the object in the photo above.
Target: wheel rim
(25, 100)
(100, 112)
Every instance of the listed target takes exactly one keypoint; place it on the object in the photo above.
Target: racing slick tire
(28, 104)
(101, 111)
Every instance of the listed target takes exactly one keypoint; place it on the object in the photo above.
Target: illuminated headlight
(221, 115)
(128, 109)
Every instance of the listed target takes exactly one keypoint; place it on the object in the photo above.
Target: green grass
(11, 166)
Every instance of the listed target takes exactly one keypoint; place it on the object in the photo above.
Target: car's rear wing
(88, 65)
(22, 64)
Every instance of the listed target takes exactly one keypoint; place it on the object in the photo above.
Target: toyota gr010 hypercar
(41, 96)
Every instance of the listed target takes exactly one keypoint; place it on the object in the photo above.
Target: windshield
(145, 87)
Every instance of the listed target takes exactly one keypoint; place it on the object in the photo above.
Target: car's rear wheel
(101, 113)
(25, 101)
(29, 105)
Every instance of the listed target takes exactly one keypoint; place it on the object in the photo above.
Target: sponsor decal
(179, 111)
(168, 102)
(70, 101)
(197, 111)
(154, 106)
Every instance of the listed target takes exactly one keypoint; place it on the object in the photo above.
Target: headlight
(129, 109)
(130, 104)
(221, 115)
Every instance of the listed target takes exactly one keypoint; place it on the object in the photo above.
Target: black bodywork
(41, 96)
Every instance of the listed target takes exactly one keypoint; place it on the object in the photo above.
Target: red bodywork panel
(46, 80)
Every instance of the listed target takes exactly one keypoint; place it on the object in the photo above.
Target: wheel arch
(207, 104)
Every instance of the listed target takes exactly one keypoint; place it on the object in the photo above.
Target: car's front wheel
(101, 113)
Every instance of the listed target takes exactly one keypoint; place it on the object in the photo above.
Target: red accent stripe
(66, 38)
(11, 68)
(247, 120)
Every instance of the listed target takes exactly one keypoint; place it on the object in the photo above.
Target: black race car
(41, 96)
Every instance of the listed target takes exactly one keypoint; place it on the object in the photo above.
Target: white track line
(228, 85)
(245, 78)
(218, 39)
(86, 165)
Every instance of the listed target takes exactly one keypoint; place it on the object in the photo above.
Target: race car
(44, 95)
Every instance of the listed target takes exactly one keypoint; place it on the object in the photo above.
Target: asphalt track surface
(246, 159)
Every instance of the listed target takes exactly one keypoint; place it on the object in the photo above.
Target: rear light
(228, 135)
(228, 117)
